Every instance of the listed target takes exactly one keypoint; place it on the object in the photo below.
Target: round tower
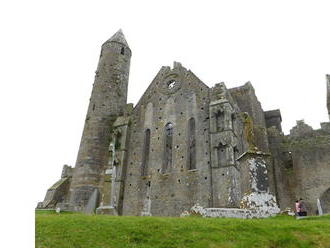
(107, 102)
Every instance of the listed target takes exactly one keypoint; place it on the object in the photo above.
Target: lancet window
(145, 154)
(168, 147)
(191, 144)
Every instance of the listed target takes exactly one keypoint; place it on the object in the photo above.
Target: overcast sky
(50, 49)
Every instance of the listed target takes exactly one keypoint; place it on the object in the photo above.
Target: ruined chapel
(186, 144)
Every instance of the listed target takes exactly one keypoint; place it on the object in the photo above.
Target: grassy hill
(94, 231)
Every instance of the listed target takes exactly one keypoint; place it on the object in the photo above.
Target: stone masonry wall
(311, 163)
(169, 192)
(301, 162)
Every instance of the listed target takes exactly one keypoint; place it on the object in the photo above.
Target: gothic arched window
(145, 154)
(168, 147)
(191, 144)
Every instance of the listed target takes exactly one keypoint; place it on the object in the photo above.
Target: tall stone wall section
(283, 168)
(302, 162)
(108, 99)
(175, 96)
(227, 145)
(255, 125)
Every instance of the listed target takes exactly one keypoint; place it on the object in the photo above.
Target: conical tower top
(118, 37)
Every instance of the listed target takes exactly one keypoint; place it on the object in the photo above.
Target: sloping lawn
(74, 230)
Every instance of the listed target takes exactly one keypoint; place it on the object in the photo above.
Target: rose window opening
(171, 84)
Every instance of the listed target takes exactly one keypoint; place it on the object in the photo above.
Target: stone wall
(282, 169)
(58, 193)
(301, 162)
(311, 163)
(175, 96)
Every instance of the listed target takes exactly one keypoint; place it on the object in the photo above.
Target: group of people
(300, 208)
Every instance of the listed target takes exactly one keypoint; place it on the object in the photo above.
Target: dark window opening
(236, 153)
(191, 144)
(168, 147)
(171, 84)
(118, 140)
(145, 154)
(122, 51)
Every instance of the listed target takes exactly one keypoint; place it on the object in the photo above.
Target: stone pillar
(223, 149)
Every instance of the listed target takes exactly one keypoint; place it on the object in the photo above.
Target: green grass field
(95, 231)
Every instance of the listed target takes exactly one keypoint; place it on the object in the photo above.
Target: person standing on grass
(296, 208)
(302, 208)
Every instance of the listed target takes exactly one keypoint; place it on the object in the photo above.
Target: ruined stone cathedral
(185, 145)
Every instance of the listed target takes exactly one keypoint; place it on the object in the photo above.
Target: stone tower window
(122, 51)
(191, 144)
(145, 154)
(219, 117)
(168, 147)
(236, 153)
(117, 140)
(222, 154)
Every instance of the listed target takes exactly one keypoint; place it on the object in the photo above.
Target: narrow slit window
(191, 144)
(122, 51)
(168, 147)
(145, 154)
